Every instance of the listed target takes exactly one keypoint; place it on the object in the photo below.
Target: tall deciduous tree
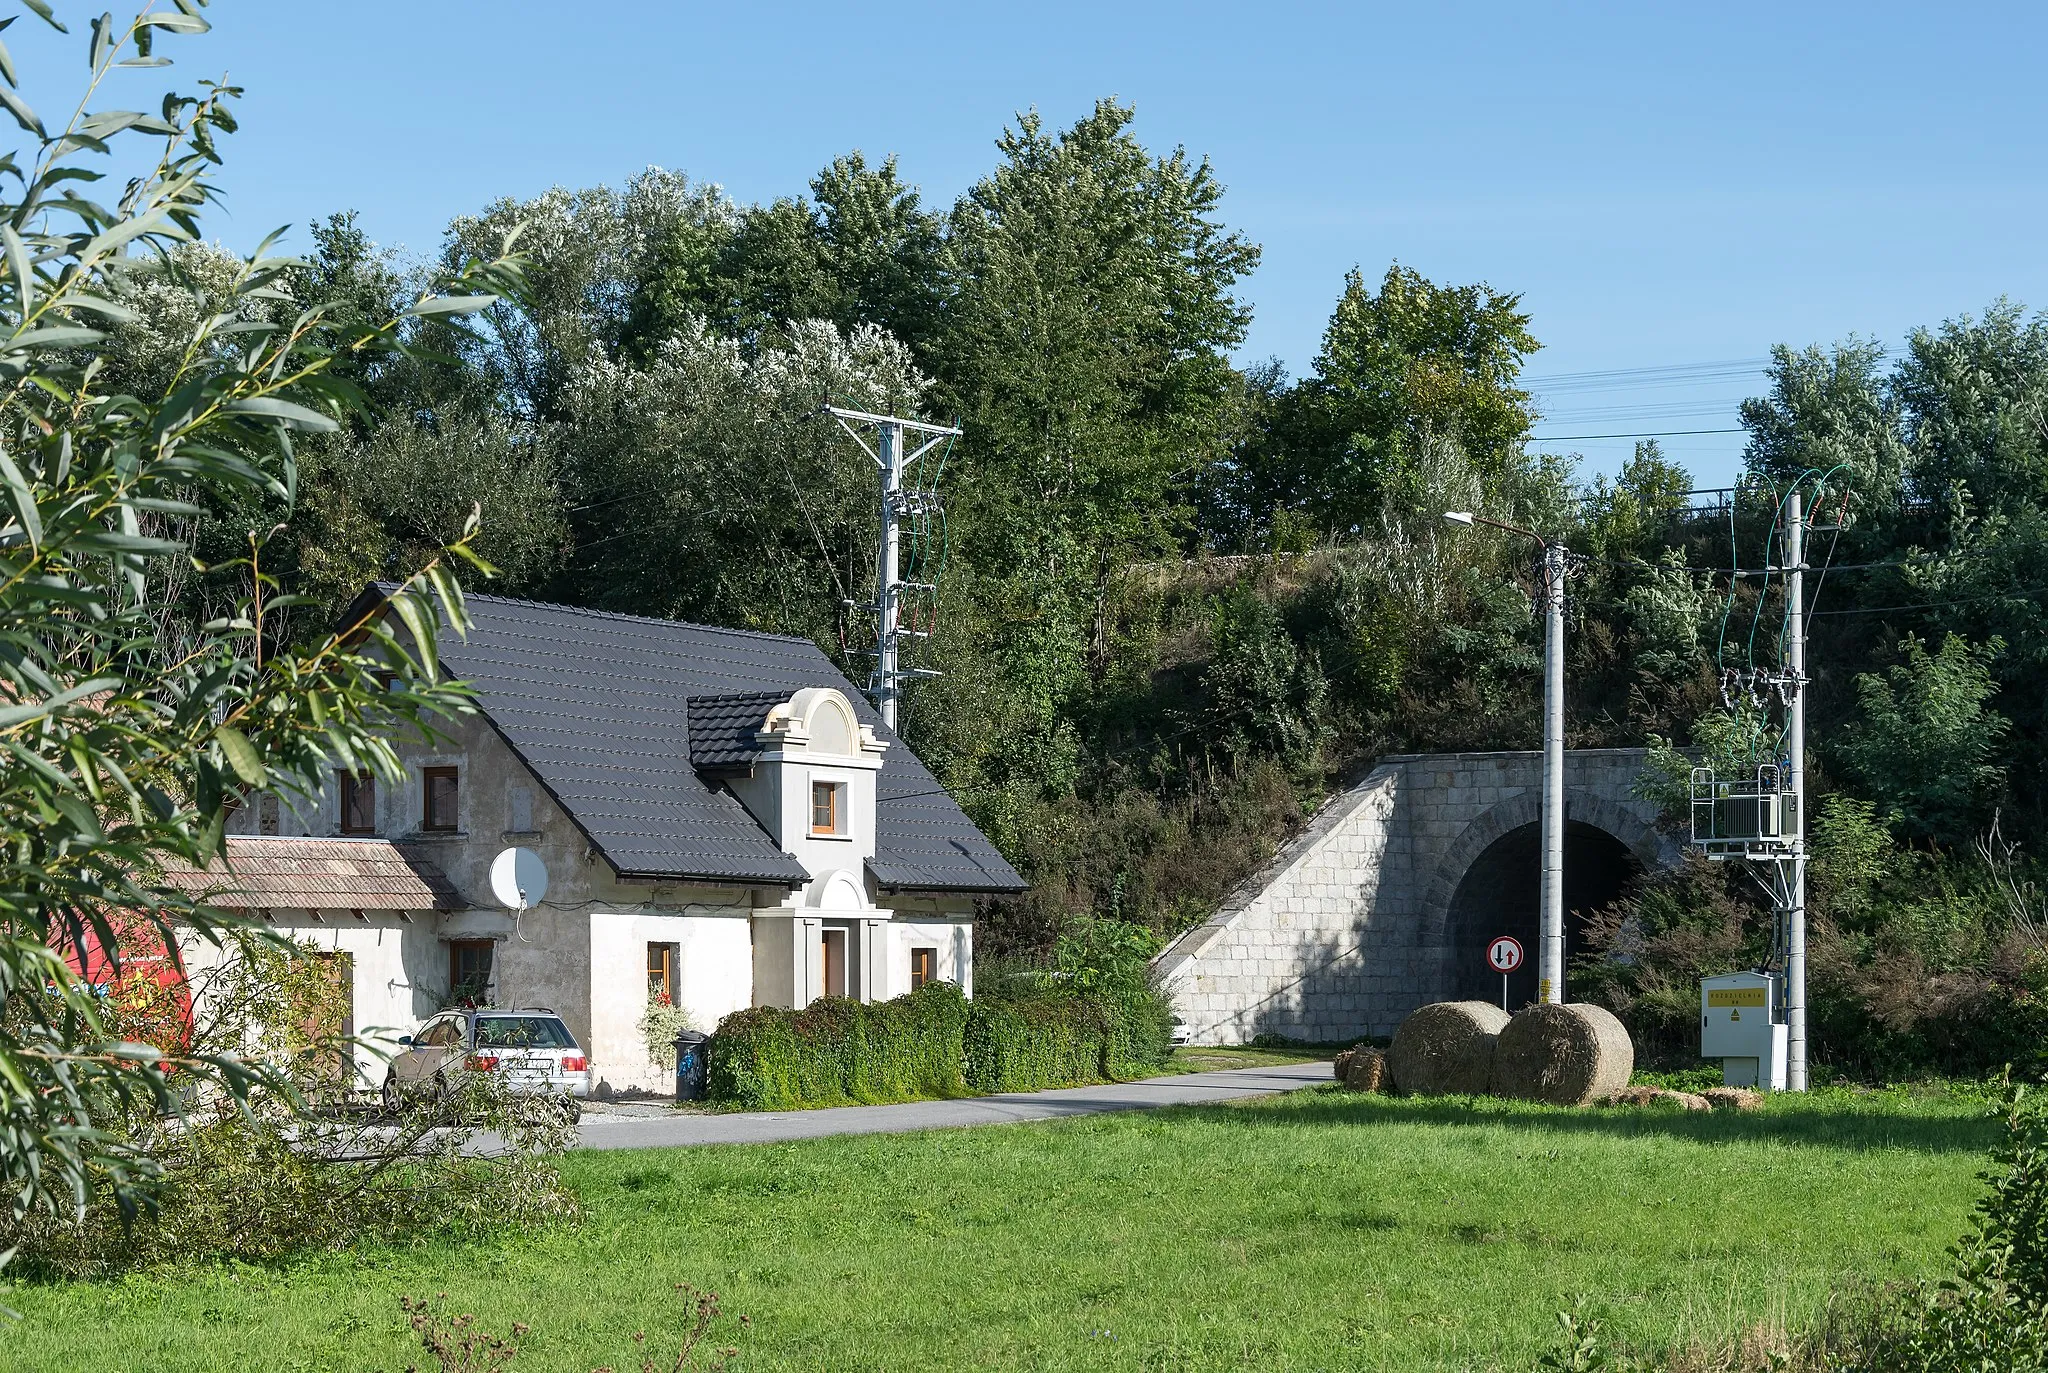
(715, 490)
(1085, 345)
(1402, 370)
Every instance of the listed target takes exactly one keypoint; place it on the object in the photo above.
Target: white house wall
(582, 951)
(394, 960)
(954, 939)
(714, 978)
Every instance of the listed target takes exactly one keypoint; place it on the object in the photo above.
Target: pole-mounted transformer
(1759, 818)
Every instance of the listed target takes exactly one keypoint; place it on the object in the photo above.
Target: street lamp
(1550, 945)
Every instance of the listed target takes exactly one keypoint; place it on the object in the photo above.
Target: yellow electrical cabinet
(1739, 1026)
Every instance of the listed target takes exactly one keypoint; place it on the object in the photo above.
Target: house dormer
(804, 767)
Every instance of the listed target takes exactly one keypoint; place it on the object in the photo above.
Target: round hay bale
(1367, 1070)
(1446, 1048)
(1564, 1055)
(1342, 1065)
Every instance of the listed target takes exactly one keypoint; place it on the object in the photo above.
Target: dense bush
(258, 1182)
(1028, 1043)
(1920, 961)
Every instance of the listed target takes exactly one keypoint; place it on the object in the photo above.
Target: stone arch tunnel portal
(1499, 895)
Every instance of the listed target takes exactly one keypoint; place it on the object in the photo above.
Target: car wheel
(394, 1100)
(572, 1109)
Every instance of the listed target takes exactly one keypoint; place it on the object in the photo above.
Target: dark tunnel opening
(1499, 895)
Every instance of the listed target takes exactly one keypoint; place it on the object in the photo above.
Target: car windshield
(522, 1032)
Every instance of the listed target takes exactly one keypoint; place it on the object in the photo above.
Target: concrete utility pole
(1550, 959)
(1795, 915)
(1550, 929)
(888, 606)
(888, 433)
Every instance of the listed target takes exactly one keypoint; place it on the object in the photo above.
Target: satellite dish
(519, 879)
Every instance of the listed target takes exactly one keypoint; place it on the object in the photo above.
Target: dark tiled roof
(598, 706)
(264, 872)
(722, 728)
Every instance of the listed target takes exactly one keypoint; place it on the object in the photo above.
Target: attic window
(828, 815)
(439, 811)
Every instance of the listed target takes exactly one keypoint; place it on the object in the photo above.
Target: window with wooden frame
(358, 802)
(924, 967)
(438, 810)
(827, 810)
(469, 970)
(661, 973)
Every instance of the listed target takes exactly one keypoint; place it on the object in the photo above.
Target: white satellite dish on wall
(519, 879)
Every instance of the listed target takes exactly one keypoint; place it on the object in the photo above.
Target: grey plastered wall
(1346, 930)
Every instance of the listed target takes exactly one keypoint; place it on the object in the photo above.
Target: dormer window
(828, 809)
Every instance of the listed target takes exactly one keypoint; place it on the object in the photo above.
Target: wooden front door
(835, 962)
(322, 995)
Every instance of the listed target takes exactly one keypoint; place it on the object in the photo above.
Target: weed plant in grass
(1325, 1230)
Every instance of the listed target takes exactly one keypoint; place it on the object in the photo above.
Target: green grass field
(1321, 1231)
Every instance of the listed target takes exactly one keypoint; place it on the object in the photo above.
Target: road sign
(1504, 955)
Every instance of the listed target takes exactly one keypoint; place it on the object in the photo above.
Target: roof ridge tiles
(635, 619)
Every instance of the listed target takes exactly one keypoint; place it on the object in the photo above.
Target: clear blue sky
(1667, 185)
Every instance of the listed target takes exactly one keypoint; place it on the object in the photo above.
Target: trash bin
(690, 1066)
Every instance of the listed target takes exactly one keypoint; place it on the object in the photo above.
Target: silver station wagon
(528, 1049)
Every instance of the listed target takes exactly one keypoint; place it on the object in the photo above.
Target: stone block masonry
(1348, 928)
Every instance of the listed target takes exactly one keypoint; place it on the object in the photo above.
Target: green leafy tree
(1085, 345)
(1971, 396)
(1925, 742)
(1828, 408)
(125, 734)
(1638, 512)
(714, 490)
(1088, 338)
(1402, 369)
(597, 256)
(862, 251)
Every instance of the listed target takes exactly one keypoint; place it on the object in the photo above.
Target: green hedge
(1025, 1044)
(836, 1052)
(931, 1043)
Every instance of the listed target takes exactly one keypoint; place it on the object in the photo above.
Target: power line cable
(1616, 378)
(1640, 434)
(1937, 605)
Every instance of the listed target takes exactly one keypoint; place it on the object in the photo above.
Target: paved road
(641, 1132)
